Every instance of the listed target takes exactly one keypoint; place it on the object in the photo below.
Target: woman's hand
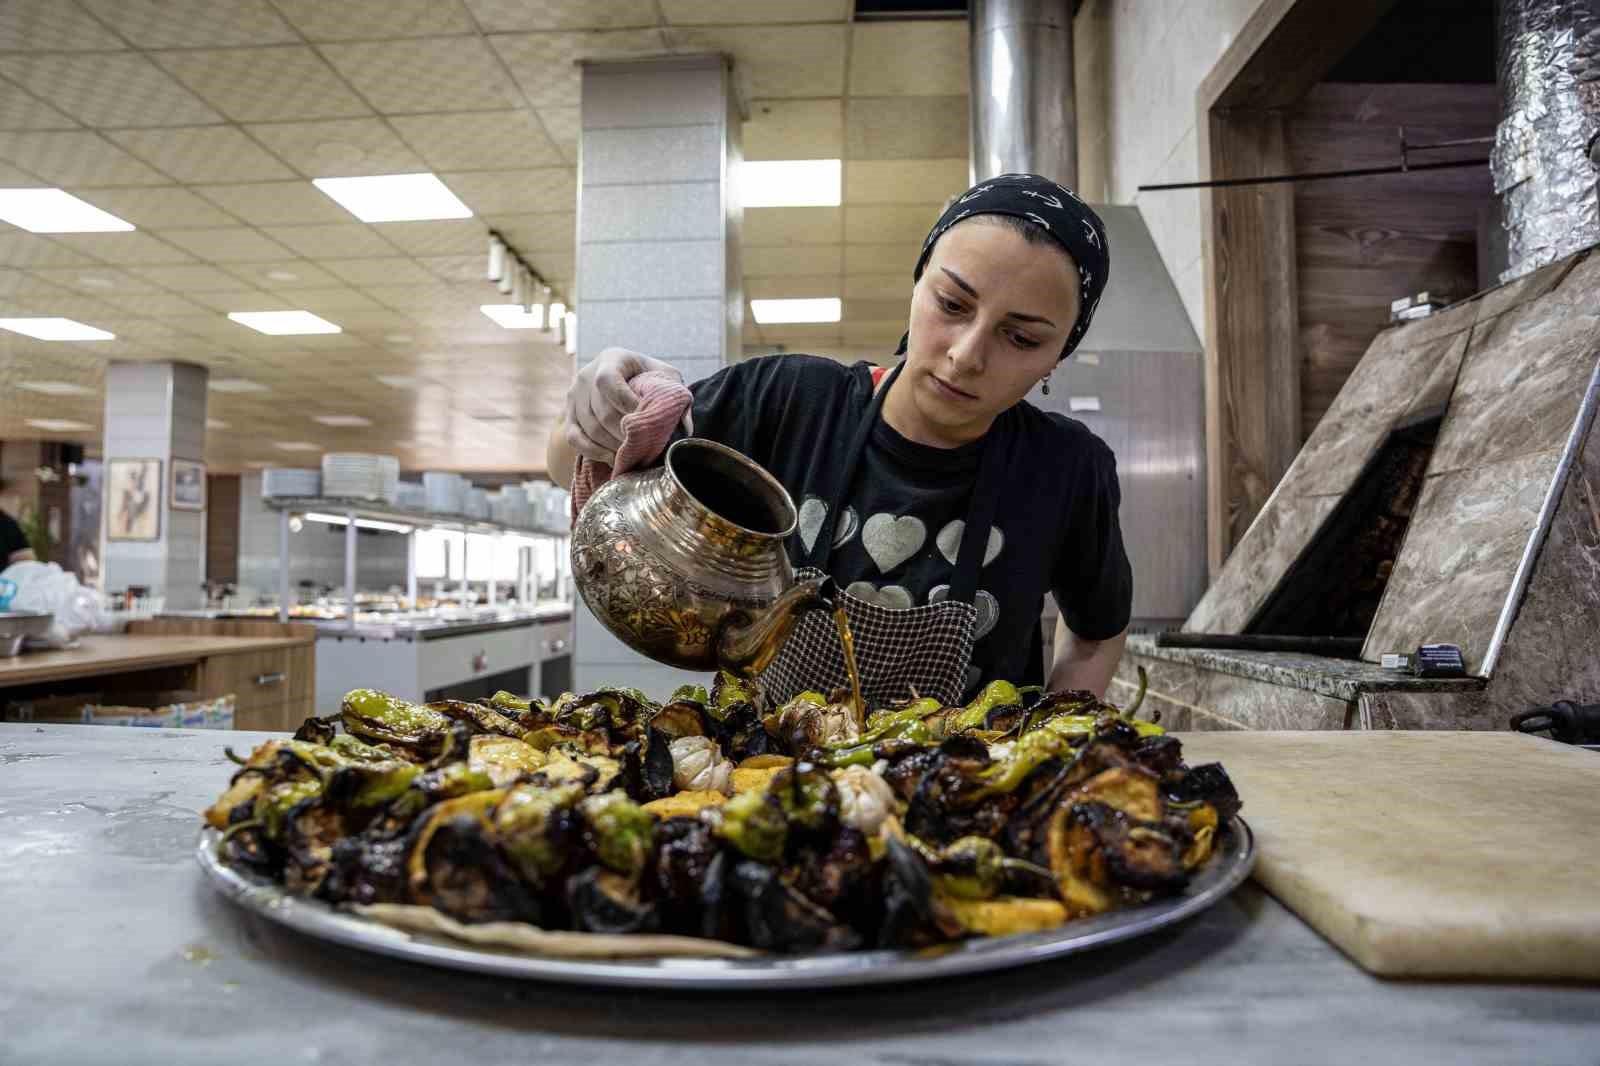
(600, 396)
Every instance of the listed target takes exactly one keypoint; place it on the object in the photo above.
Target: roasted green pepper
(273, 806)
(996, 693)
(809, 798)
(753, 822)
(378, 717)
(618, 831)
(530, 824)
(692, 693)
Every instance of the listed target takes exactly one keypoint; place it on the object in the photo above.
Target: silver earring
(1045, 385)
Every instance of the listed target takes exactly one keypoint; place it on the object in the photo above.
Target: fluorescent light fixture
(216, 423)
(55, 388)
(236, 385)
(512, 316)
(394, 197)
(1079, 404)
(343, 420)
(790, 183)
(56, 211)
(55, 329)
(773, 312)
(284, 323)
(398, 381)
(297, 446)
(58, 425)
(361, 523)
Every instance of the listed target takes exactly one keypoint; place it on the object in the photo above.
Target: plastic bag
(47, 587)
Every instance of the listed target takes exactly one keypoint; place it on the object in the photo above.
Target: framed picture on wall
(133, 499)
(188, 485)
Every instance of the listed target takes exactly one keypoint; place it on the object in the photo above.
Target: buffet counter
(100, 825)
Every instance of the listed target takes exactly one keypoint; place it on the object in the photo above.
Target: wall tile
(685, 211)
(627, 270)
(676, 153)
(673, 330)
(612, 99)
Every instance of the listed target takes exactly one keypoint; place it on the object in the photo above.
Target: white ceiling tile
(339, 148)
(544, 231)
(565, 127)
(905, 127)
(782, 260)
(883, 335)
(392, 271)
(192, 23)
(151, 302)
(377, 325)
(459, 269)
(889, 223)
(338, 298)
(203, 154)
(19, 111)
(428, 300)
(500, 15)
(545, 64)
(190, 279)
(117, 89)
(347, 241)
(285, 275)
(910, 181)
(797, 287)
(228, 244)
(276, 84)
(125, 249)
(158, 207)
(878, 286)
(892, 309)
(793, 225)
(349, 20)
(481, 140)
(715, 12)
(239, 299)
(51, 26)
(75, 158)
(881, 258)
(794, 129)
(100, 279)
(455, 236)
(12, 178)
(428, 74)
(909, 58)
(490, 192)
(275, 203)
(774, 61)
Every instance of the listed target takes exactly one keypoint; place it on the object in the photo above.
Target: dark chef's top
(11, 538)
(896, 541)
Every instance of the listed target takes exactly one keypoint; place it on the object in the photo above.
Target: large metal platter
(1228, 867)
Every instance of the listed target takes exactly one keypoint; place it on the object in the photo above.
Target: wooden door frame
(1248, 244)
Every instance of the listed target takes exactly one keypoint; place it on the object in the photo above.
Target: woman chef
(935, 495)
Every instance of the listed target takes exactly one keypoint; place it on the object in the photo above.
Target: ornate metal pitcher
(685, 563)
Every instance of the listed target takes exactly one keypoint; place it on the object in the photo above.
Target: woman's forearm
(1084, 664)
(559, 458)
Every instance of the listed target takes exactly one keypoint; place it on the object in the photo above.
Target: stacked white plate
(289, 481)
(476, 503)
(509, 505)
(444, 492)
(411, 496)
(359, 476)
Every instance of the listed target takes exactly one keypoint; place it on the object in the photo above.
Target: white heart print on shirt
(890, 541)
(813, 511)
(988, 608)
(949, 542)
(891, 596)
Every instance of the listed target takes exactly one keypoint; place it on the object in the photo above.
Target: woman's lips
(948, 390)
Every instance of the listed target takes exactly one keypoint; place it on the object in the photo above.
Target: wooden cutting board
(1427, 853)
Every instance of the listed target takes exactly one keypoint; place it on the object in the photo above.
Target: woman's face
(988, 320)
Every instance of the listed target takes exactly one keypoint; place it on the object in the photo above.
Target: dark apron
(924, 650)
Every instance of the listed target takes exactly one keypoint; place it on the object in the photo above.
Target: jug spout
(746, 646)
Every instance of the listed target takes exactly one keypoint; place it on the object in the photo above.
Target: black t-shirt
(11, 539)
(896, 541)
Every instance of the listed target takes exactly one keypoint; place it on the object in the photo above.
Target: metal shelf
(385, 512)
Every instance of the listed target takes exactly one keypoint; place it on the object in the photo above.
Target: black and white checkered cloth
(923, 648)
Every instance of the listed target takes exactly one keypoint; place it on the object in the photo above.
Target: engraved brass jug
(685, 562)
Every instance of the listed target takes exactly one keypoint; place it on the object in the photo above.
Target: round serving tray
(1228, 867)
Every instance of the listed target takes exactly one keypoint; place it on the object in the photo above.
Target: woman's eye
(1023, 342)
(949, 306)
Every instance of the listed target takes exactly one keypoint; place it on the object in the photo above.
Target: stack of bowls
(289, 481)
(412, 496)
(476, 503)
(444, 493)
(359, 476)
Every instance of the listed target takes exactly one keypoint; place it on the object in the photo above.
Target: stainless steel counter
(115, 951)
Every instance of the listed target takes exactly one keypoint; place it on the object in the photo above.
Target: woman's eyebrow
(970, 291)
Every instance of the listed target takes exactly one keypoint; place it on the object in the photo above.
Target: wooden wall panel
(222, 528)
(1363, 242)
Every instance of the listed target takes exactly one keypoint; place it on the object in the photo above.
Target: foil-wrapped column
(1547, 147)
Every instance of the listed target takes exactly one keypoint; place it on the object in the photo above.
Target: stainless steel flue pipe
(1024, 117)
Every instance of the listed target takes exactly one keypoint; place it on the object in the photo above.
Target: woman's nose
(967, 353)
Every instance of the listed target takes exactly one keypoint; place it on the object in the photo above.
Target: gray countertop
(115, 951)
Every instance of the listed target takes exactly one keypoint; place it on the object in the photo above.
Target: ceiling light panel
(58, 425)
(790, 183)
(284, 323)
(512, 316)
(774, 312)
(296, 446)
(56, 211)
(55, 329)
(55, 388)
(343, 420)
(236, 385)
(394, 197)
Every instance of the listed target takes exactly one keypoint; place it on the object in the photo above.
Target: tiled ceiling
(202, 121)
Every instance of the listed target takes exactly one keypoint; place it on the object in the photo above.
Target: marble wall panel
(1191, 697)
(1451, 580)
(1503, 298)
(1271, 545)
(1522, 381)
